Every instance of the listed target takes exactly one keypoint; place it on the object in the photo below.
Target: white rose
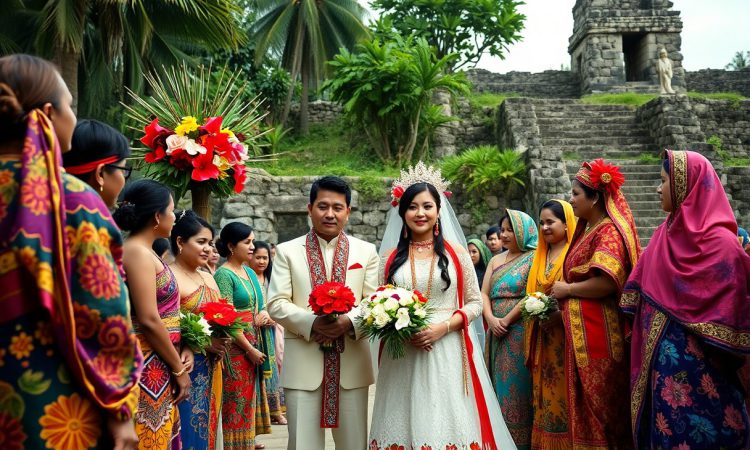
(193, 148)
(420, 312)
(176, 141)
(402, 318)
(534, 305)
(378, 309)
(391, 304)
(406, 301)
(381, 320)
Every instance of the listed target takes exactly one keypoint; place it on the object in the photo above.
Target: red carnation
(155, 156)
(606, 176)
(181, 159)
(331, 298)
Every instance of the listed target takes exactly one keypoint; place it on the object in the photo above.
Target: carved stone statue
(664, 69)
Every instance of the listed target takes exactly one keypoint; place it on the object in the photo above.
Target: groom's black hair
(331, 183)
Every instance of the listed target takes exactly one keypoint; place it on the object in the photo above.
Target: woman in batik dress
(69, 362)
(147, 213)
(544, 342)
(241, 386)
(692, 317)
(503, 288)
(200, 414)
(605, 247)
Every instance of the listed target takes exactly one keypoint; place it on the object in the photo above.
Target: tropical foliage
(739, 61)
(103, 45)
(469, 28)
(485, 169)
(306, 33)
(386, 90)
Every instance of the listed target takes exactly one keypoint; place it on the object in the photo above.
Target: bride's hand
(427, 337)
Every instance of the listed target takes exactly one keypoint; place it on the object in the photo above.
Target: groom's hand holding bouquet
(331, 302)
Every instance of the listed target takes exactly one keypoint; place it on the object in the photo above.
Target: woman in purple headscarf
(689, 295)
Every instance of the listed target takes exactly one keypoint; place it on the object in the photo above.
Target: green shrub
(485, 170)
(734, 98)
(488, 99)
(371, 188)
(648, 158)
(717, 144)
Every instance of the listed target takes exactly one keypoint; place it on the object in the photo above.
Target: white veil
(452, 232)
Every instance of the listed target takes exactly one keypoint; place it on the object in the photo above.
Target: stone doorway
(291, 225)
(637, 57)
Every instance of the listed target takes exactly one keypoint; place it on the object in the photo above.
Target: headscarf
(539, 279)
(484, 251)
(524, 228)
(693, 269)
(607, 179)
(41, 228)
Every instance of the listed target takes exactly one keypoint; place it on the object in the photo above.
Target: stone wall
(276, 207)
(729, 121)
(671, 122)
(321, 112)
(740, 194)
(550, 83)
(518, 129)
(476, 125)
(716, 80)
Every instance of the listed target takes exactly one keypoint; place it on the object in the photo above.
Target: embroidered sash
(329, 411)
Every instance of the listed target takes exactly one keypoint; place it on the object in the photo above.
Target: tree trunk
(304, 114)
(202, 201)
(67, 62)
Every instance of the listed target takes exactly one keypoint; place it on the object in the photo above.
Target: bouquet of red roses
(331, 299)
(225, 322)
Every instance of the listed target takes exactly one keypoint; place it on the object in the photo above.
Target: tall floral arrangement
(199, 131)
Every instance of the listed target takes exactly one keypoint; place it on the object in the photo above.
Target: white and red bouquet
(225, 323)
(331, 299)
(394, 315)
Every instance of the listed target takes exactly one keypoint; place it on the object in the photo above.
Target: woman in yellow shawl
(544, 342)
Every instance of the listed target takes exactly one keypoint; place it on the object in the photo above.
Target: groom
(324, 254)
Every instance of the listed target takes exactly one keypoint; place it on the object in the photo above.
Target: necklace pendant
(419, 249)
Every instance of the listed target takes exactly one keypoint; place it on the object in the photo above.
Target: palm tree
(739, 61)
(115, 41)
(306, 33)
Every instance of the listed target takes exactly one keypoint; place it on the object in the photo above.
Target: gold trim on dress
(639, 387)
(578, 335)
(724, 334)
(679, 178)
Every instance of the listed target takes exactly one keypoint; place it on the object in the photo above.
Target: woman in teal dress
(262, 266)
(69, 361)
(239, 286)
(503, 288)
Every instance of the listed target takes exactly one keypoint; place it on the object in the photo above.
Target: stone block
(288, 203)
(234, 210)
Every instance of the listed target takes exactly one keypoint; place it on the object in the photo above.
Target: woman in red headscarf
(689, 295)
(605, 248)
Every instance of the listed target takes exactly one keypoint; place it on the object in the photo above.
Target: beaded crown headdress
(418, 174)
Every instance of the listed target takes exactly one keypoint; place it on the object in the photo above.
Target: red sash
(488, 437)
(329, 411)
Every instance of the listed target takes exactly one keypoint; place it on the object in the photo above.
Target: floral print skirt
(694, 405)
(40, 405)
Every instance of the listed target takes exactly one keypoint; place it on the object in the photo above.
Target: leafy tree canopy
(739, 61)
(469, 28)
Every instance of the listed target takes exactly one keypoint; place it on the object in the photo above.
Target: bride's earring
(405, 233)
(436, 230)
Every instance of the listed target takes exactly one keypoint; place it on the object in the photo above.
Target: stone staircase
(584, 132)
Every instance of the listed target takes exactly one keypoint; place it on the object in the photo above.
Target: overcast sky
(712, 32)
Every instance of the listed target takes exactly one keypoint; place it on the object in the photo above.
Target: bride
(439, 395)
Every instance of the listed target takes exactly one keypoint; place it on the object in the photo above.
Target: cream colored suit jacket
(288, 295)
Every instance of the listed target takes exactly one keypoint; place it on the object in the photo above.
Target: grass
(488, 99)
(734, 97)
(571, 156)
(625, 98)
(649, 158)
(327, 150)
(737, 162)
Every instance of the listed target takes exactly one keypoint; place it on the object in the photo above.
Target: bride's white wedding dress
(420, 400)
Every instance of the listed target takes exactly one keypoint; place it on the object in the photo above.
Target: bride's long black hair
(402, 249)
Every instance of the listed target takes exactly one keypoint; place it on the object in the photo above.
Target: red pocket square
(355, 266)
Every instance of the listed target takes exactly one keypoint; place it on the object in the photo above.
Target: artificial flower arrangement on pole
(199, 132)
(394, 315)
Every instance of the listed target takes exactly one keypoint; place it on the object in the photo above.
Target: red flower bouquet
(331, 299)
(225, 322)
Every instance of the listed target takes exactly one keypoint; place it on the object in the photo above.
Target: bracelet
(180, 373)
(448, 326)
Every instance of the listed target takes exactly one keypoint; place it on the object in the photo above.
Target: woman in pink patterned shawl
(690, 297)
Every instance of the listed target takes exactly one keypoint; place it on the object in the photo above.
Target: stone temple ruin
(613, 48)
